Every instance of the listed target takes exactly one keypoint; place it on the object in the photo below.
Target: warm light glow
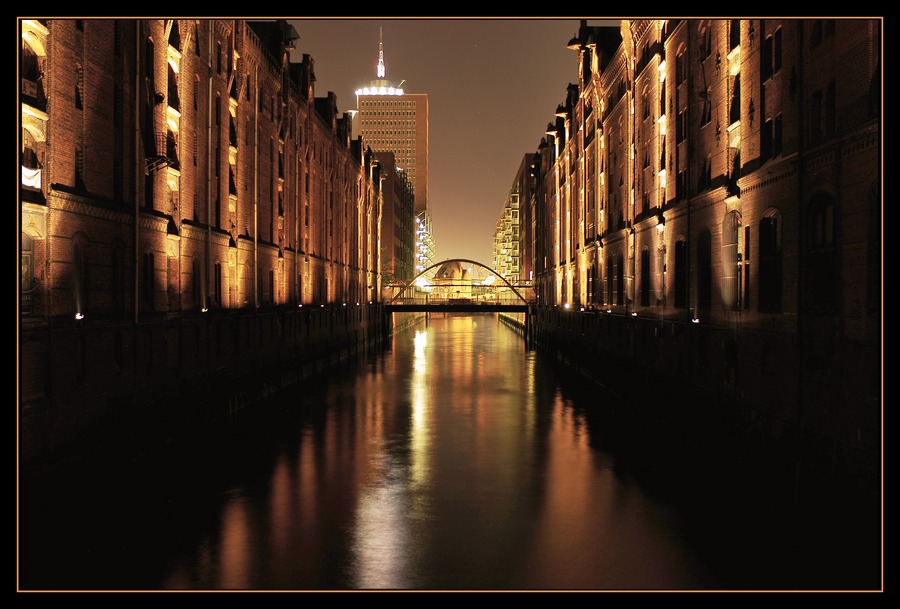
(566, 306)
(379, 91)
(79, 316)
(695, 320)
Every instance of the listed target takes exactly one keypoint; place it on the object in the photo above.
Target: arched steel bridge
(487, 292)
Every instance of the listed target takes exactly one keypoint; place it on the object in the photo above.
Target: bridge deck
(458, 307)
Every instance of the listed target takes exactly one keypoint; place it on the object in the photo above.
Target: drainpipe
(296, 221)
(209, 162)
(256, 196)
(137, 170)
(801, 196)
(692, 310)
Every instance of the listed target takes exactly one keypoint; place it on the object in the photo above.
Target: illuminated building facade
(709, 192)
(514, 234)
(506, 240)
(184, 177)
(424, 242)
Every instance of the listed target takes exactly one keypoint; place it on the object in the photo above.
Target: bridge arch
(412, 281)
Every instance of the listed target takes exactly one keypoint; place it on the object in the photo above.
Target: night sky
(492, 85)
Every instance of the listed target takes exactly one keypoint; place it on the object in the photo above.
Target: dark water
(454, 460)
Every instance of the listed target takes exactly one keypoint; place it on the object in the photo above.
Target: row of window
(388, 104)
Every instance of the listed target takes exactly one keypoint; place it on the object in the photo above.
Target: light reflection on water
(453, 460)
(449, 465)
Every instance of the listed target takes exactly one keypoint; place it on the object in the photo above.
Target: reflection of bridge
(461, 306)
(459, 285)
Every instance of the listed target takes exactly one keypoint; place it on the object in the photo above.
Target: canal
(453, 459)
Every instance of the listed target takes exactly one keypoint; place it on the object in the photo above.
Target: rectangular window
(734, 36)
(771, 55)
(734, 114)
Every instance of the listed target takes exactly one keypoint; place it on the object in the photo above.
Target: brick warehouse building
(184, 201)
(708, 206)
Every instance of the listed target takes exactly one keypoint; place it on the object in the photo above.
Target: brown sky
(492, 85)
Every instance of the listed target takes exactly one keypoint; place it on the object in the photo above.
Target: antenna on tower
(380, 55)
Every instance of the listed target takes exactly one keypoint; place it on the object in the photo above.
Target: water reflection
(456, 459)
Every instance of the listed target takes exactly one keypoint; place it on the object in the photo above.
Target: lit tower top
(380, 86)
(380, 55)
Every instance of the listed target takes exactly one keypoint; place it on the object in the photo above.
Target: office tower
(392, 120)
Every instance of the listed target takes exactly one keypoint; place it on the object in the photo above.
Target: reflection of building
(391, 119)
(452, 281)
(716, 184)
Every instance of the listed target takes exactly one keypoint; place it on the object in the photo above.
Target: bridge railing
(462, 300)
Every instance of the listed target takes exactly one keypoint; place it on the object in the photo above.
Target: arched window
(731, 279)
(645, 96)
(32, 76)
(27, 275)
(31, 70)
(770, 227)
(31, 165)
(704, 271)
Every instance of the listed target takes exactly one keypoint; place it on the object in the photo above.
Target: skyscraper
(392, 120)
